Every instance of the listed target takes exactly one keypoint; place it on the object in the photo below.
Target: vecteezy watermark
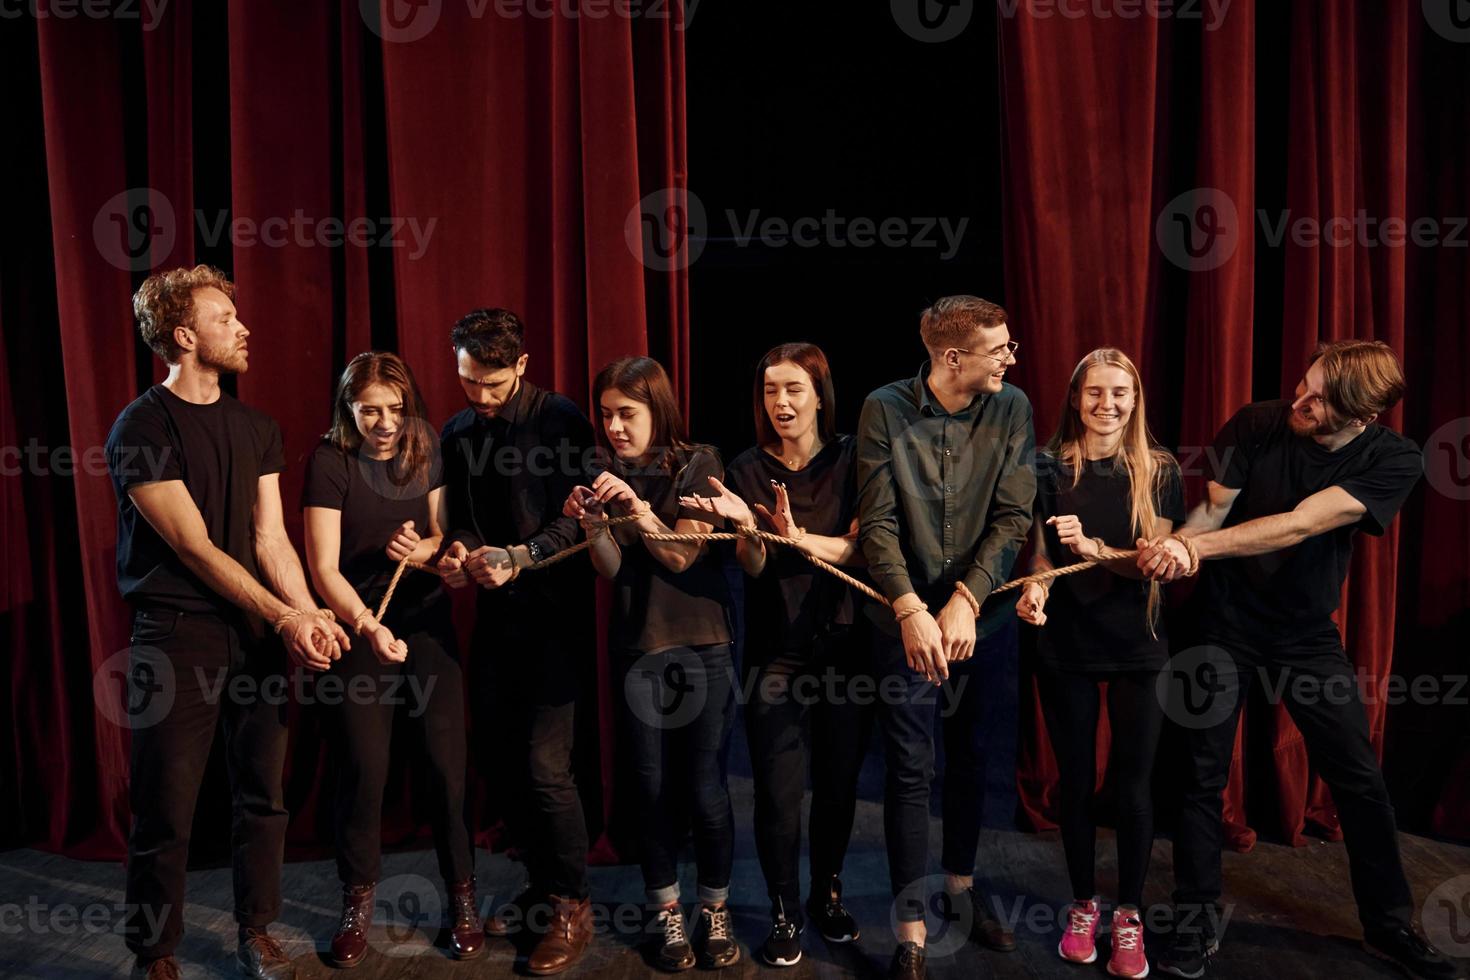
(1201, 230)
(150, 12)
(134, 688)
(41, 918)
(408, 910)
(1450, 19)
(406, 21)
(669, 229)
(134, 227)
(1447, 459)
(1196, 687)
(937, 21)
(947, 917)
(1446, 916)
(35, 459)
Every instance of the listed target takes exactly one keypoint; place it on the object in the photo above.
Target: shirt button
(949, 488)
(947, 525)
(949, 561)
(946, 452)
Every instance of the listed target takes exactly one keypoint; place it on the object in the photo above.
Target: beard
(1307, 426)
(224, 358)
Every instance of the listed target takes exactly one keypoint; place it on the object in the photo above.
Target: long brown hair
(1149, 466)
(809, 358)
(643, 380)
(416, 442)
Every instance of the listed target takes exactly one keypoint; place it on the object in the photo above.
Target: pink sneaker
(1127, 959)
(1079, 942)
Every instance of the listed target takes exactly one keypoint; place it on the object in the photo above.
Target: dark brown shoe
(986, 929)
(164, 969)
(567, 936)
(262, 958)
(466, 931)
(349, 942)
(510, 918)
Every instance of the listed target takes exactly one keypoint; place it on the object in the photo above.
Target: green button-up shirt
(943, 497)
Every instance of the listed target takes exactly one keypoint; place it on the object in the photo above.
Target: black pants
(525, 675)
(425, 692)
(1070, 703)
(826, 694)
(1317, 681)
(679, 705)
(968, 704)
(187, 672)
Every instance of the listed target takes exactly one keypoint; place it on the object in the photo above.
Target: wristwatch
(534, 548)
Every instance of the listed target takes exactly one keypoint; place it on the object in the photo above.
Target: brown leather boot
(567, 936)
(349, 942)
(260, 957)
(466, 931)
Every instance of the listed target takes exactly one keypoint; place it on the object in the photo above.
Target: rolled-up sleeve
(878, 522)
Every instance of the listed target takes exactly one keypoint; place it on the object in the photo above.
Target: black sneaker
(675, 952)
(829, 915)
(1186, 952)
(783, 946)
(908, 962)
(1413, 955)
(714, 938)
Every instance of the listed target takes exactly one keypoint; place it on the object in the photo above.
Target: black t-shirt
(792, 603)
(374, 505)
(220, 451)
(1294, 592)
(655, 608)
(1097, 620)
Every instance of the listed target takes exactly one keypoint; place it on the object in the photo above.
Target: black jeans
(1070, 702)
(525, 675)
(679, 705)
(1318, 683)
(968, 704)
(825, 693)
(427, 692)
(187, 672)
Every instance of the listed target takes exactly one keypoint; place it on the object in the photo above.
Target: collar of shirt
(929, 405)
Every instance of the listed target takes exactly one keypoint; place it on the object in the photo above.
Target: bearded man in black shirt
(203, 558)
(1298, 479)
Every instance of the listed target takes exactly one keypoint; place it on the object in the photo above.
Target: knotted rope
(1105, 554)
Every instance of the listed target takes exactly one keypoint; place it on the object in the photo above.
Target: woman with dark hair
(671, 639)
(1102, 471)
(804, 647)
(374, 481)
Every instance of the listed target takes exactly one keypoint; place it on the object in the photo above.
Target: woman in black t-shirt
(671, 639)
(1101, 481)
(802, 648)
(372, 498)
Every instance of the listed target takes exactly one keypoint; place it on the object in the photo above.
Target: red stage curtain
(510, 149)
(1107, 123)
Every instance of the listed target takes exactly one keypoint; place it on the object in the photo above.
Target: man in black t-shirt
(510, 460)
(199, 527)
(1299, 478)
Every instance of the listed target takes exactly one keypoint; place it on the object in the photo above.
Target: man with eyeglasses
(945, 484)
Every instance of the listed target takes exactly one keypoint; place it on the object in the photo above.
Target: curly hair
(166, 301)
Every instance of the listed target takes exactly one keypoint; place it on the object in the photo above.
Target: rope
(1106, 554)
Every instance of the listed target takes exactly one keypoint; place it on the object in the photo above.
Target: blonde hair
(165, 302)
(1148, 466)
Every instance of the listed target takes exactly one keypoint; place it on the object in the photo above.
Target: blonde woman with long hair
(1101, 481)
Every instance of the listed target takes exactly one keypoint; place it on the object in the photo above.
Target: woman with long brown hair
(671, 638)
(373, 497)
(806, 653)
(1101, 481)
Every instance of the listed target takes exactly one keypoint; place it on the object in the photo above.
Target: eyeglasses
(1011, 347)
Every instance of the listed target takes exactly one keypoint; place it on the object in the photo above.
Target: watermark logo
(1446, 916)
(392, 478)
(666, 231)
(135, 687)
(133, 226)
(401, 21)
(947, 918)
(408, 909)
(1447, 459)
(932, 21)
(1450, 19)
(1199, 230)
(1194, 690)
(667, 691)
